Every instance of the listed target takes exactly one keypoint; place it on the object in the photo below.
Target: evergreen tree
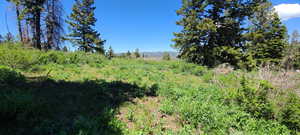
(1, 39)
(212, 31)
(137, 53)
(65, 49)
(9, 37)
(81, 23)
(33, 13)
(54, 24)
(292, 49)
(128, 54)
(216, 32)
(295, 38)
(292, 55)
(267, 36)
(110, 53)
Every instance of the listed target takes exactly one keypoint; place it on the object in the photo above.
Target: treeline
(40, 24)
(243, 33)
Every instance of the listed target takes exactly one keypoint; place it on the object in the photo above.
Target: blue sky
(130, 24)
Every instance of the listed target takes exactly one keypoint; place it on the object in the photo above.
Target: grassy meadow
(75, 93)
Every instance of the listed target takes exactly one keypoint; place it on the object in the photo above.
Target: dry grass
(223, 69)
(281, 79)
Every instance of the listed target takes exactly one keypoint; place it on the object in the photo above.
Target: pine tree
(267, 36)
(292, 49)
(1, 39)
(33, 13)
(295, 38)
(292, 54)
(54, 24)
(137, 53)
(81, 23)
(65, 49)
(189, 40)
(110, 53)
(128, 54)
(212, 31)
(9, 37)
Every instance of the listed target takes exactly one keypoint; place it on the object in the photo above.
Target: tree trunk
(19, 23)
(49, 25)
(38, 33)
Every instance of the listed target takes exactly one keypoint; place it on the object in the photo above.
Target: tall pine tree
(267, 36)
(33, 13)
(54, 24)
(81, 23)
(216, 32)
(110, 53)
(212, 31)
(137, 53)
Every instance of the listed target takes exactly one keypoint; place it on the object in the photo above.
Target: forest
(237, 72)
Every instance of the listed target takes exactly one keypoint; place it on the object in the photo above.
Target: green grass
(60, 93)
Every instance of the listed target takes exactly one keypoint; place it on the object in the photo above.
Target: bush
(296, 60)
(70, 58)
(254, 100)
(15, 102)
(14, 56)
(17, 57)
(166, 56)
(193, 69)
(17, 106)
(205, 109)
(290, 115)
(51, 57)
(8, 77)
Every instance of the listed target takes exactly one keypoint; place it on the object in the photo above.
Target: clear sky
(130, 24)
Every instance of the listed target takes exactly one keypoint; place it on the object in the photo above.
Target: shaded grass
(86, 107)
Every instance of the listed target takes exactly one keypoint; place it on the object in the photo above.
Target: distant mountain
(159, 54)
(155, 55)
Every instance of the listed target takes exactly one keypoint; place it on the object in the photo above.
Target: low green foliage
(166, 56)
(290, 115)
(255, 100)
(15, 56)
(82, 94)
(9, 77)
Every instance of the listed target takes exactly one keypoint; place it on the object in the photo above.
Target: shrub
(254, 100)
(166, 56)
(18, 57)
(193, 69)
(296, 60)
(17, 106)
(290, 115)
(13, 103)
(51, 57)
(15, 57)
(8, 77)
